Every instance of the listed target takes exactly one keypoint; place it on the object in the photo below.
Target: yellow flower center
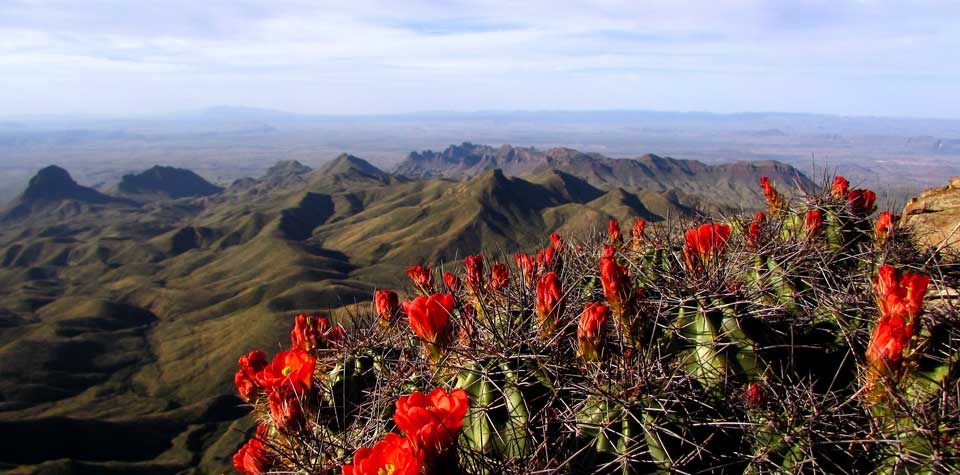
(387, 469)
(287, 370)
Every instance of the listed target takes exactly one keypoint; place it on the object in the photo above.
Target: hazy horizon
(226, 109)
(849, 58)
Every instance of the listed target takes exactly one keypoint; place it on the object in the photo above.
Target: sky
(123, 57)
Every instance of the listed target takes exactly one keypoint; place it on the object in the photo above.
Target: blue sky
(867, 57)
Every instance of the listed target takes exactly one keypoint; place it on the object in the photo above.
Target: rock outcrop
(935, 216)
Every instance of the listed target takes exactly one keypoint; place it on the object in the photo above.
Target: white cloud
(367, 56)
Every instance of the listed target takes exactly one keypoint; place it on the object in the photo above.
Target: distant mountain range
(122, 312)
(650, 173)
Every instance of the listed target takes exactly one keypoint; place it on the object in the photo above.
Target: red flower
(755, 230)
(387, 304)
(556, 241)
(286, 408)
(754, 394)
(394, 455)
(475, 277)
(499, 277)
(608, 251)
(527, 267)
(246, 377)
(862, 201)
(616, 285)
(422, 278)
(254, 457)
(430, 318)
(776, 204)
(452, 282)
(767, 187)
(900, 294)
(900, 299)
(705, 242)
(292, 368)
(310, 333)
(590, 331)
(546, 257)
(614, 233)
(814, 223)
(550, 301)
(840, 188)
(637, 234)
(883, 227)
(432, 422)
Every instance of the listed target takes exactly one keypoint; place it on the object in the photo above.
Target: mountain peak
(168, 182)
(54, 183)
(349, 164)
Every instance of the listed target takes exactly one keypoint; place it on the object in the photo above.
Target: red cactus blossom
(546, 258)
(591, 330)
(422, 278)
(430, 320)
(475, 274)
(432, 422)
(754, 395)
(614, 235)
(310, 333)
(527, 267)
(755, 231)
(883, 228)
(767, 187)
(556, 241)
(286, 408)
(900, 299)
(246, 377)
(636, 233)
(452, 282)
(776, 203)
(840, 188)
(254, 457)
(393, 455)
(862, 202)
(499, 277)
(386, 303)
(550, 302)
(292, 368)
(608, 251)
(616, 285)
(705, 242)
(813, 224)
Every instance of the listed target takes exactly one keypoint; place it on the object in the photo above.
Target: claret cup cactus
(811, 337)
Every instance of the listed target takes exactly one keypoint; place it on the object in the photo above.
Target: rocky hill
(935, 216)
(162, 182)
(54, 192)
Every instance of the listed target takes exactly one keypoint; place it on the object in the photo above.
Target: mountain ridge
(649, 172)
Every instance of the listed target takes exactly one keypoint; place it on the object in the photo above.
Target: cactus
(731, 350)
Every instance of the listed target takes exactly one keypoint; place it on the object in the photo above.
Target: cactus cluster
(811, 338)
